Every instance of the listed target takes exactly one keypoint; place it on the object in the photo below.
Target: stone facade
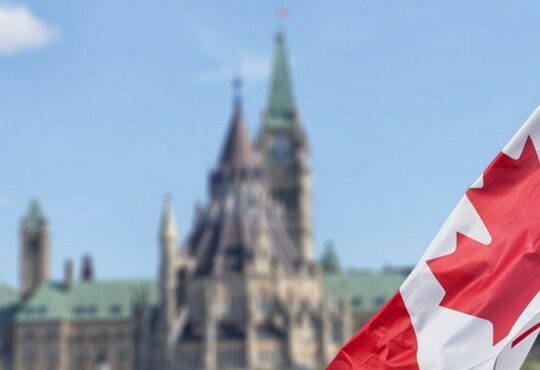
(240, 290)
(89, 325)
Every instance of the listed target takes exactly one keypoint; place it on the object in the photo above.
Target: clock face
(282, 149)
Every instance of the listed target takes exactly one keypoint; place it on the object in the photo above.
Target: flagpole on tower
(236, 78)
(282, 14)
(237, 91)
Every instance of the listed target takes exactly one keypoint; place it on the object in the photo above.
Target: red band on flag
(386, 342)
(525, 334)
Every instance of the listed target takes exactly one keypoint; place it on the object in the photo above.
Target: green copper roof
(281, 106)
(7, 295)
(113, 300)
(34, 217)
(368, 290)
(99, 300)
(8, 301)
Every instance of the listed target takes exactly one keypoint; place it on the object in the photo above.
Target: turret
(87, 269)
(68, 274)
(168, 237)
(34, 249)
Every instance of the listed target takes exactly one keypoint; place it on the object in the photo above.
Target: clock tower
(284, 147)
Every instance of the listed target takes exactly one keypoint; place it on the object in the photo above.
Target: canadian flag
(473, 300)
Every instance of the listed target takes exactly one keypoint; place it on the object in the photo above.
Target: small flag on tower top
(283, 13)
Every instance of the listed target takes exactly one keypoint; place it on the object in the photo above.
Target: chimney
(87, 269)
(68, 274)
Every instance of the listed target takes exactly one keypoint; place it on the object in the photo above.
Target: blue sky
(107, 105)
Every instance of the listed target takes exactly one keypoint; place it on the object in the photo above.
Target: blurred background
(350, 133)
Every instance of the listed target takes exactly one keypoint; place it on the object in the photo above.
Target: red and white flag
(473, 300)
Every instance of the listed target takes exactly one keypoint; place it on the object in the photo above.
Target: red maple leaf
(497, 281)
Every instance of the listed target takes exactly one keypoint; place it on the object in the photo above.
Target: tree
(329, 258)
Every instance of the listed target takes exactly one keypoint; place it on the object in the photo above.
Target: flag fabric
(472, 302)
(283, 13)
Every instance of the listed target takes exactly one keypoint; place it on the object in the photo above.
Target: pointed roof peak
(238, 151)
(35, 207)
(281, 107)
(168, 219)
(34, 218)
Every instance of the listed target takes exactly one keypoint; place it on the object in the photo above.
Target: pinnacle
(168, 220)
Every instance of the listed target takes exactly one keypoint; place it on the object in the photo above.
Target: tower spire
(281, 109)
(284, 146)
(238, 152)
(238, 161)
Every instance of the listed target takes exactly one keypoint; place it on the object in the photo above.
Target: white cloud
(253, 68)
(20, 30)
(4, 200)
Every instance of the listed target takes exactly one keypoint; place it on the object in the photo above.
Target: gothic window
(52, 355)
(287, 196)
(82, 354)
(121, 353)
(235, 305)
(29, 334)
(121, 333)
(101, 334)
(79, 333)
(30, 354)
(281, 195)
(233, 257)
(181, 286)
(101, 355)
(263, 303)
(51, 333)
(292, 201)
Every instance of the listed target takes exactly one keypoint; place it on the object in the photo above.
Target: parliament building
(241, 290)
